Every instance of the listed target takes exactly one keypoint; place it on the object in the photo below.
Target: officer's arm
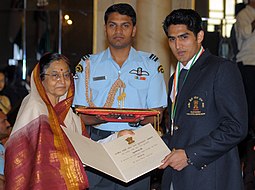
(92, 119)
(151, 119)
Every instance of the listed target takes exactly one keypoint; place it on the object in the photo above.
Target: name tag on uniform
(99, 78)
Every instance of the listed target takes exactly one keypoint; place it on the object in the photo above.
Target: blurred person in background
(245, 35)
(5, 104)
(15, 90)
(5, 130)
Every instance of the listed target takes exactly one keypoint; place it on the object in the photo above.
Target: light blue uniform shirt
(2, 150)
(147, 90)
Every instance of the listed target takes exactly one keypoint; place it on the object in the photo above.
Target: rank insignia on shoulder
(153, 57)
(79, 68)
(160, 69)
(85, 57)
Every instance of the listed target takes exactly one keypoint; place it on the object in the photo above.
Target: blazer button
(176, 127)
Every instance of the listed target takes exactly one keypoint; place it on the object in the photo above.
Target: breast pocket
(139, 85)
(100, 86)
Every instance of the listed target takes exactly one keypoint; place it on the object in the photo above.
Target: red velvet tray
(118, 114)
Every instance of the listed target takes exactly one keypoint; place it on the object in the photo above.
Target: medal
(175, 85)
(172, 128)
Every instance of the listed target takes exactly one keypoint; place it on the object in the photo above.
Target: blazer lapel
(192, 79)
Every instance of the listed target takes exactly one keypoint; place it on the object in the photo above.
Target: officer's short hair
(123, 9)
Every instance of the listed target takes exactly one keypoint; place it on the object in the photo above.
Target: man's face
(5, 128)
(119, 31)
(183, 43)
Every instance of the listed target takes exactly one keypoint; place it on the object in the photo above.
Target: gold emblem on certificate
(130, 140)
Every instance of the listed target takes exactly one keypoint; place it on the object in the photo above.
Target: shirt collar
(133, 55)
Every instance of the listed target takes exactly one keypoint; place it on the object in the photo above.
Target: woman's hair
(47, 59)
(188, 17)
(123, 9)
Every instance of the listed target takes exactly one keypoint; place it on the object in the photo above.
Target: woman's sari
(38, 153)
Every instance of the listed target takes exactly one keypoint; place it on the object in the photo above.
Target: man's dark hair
(123, 9)
(188, 17)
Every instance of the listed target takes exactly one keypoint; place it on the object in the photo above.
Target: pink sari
(38, 153)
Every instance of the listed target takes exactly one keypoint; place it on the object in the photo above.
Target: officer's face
(119, 30)
(183, 43)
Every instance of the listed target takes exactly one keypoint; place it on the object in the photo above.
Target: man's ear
(200, 36)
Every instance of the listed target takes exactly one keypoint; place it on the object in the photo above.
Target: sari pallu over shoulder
(38, 153)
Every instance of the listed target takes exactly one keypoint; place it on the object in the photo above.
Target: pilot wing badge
(139, 73)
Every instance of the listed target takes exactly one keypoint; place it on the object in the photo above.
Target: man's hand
(177, 159)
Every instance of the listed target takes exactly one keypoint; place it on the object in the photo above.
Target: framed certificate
(118, 114)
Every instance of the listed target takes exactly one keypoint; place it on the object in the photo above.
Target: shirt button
(176, 127)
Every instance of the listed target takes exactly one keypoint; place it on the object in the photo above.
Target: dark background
(42, 29)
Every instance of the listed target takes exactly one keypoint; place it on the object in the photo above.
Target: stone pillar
(150, 35)
(185, 4)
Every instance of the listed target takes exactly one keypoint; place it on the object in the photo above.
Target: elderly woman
(38, 153)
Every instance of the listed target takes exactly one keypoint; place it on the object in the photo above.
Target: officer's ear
(134, 31)
(105, 29)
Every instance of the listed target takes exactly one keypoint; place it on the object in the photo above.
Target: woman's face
(2, 81)
(57, 80)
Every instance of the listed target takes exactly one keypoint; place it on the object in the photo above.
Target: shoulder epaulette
(85, 57)
(153, 57)
(79, 68)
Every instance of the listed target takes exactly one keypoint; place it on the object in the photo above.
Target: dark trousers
(100, 181)
(248, 75)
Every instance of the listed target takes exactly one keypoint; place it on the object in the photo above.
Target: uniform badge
(196, 106)
(153, 57)
(79, 68)
(160, 69)
(87, 56)
(140, 73)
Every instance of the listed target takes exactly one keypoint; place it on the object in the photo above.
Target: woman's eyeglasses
(57, 76)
